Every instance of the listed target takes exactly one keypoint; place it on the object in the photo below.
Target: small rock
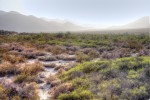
(135, 55)
(41, 75)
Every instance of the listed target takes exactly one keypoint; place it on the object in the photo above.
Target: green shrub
(81, 82)
(81, 57)
(76, 95)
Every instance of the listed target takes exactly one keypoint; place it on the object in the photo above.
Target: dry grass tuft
(62, 88)
(51, 78)
(8, 68)
(32, 69)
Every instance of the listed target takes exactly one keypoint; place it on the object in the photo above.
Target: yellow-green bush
(76, 95)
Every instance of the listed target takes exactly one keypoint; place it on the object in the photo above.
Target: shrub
(74, 74)
(30, 91)
(32, 69)
(134, 45)
(62, 88)
(93, 54)
(133, 74)
(61, 71)
(55, 83)
(76, 95)
(51, 78)
(56, 49)
(13, 58)
(88, 67)
(21, 78)
(71, 96)
(81, 83)
(81, 57)
(8, 68)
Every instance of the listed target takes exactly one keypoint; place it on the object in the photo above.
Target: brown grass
(51, 78)
(13, 58)
(32, 69)
(55, 49)
(30, 91)
(61, 70)
(8, 68)
(62, 88)
(55, 83)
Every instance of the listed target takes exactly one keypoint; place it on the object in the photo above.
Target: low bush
(56, 49)
(8, 68)
(55, 83)
(13, 58)
(62, 88)
(21, 78)
(93, 54)
(51, 78)
(81, 57)
(76, 95)
(30, 91)
(134, 45)
(32, 69)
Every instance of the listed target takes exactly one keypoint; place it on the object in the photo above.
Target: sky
(85, 12)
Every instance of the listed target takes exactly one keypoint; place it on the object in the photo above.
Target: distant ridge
(14, 21)
(140, 23)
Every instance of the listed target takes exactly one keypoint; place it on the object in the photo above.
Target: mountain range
(14, 21)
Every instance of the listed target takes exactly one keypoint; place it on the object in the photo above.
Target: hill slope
(22, 23)
(139, 23)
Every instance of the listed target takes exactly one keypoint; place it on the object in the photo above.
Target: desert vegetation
(122, 78)
(67, 66)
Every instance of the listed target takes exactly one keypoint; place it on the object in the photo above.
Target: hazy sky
(94, 12)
